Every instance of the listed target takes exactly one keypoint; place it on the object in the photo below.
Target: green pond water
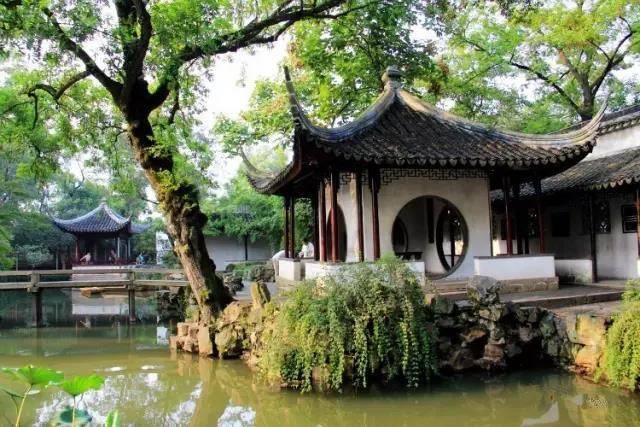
(151, 386)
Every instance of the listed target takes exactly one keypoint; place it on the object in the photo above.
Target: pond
(151, 386)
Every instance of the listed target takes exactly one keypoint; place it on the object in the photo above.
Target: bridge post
(36, 294)
(132, 297)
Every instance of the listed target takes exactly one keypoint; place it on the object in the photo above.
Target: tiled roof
(617, 120)
(600, 173)
(100, 220)
(399, 129)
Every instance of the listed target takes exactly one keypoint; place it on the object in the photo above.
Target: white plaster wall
(224, 250)
(469, 195)
(617, 252)
(516, 267)
(290, 269)
(318, 269)
(578, 268)
(616, 141)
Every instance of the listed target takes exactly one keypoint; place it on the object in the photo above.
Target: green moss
(368, 321)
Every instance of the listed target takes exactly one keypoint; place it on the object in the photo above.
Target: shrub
(632, 292)
(367, 321)
(621, 364)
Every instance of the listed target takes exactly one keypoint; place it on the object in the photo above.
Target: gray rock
(494, 312)
(534, 314)
(473, 335)
(442, 305)
(512, 350)
(461, 360)
(525, 334)
(483, 290)
(547, 325)
(233, 283)
(260, 294)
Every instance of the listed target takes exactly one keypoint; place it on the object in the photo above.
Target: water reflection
(154, 387)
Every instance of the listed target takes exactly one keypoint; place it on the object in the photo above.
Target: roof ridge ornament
(392, 77)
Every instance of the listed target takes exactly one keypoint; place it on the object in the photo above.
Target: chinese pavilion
(408, 178)
(102, 233)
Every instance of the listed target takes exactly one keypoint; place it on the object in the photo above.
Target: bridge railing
(129, 279)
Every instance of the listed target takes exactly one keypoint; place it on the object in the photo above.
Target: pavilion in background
(99, 232)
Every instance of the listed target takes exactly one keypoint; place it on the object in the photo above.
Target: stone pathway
(565, 296)
(570, 295)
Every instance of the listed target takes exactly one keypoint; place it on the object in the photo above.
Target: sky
(235, 77)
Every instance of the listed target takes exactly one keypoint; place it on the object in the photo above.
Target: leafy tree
(34, 255)
(338, 66)
(569, 51)
(5, 247)
(148, 61)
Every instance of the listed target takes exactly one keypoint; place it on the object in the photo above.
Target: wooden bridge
(125, 279)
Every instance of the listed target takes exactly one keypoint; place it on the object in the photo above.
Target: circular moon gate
(432, 230)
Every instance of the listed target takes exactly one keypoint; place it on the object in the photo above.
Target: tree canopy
(146, 61)
(563, 55)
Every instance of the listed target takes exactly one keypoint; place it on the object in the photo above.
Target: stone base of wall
(193, 338)
(483, 332)
(529, 285)
(236, 329)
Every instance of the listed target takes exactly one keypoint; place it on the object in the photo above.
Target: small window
(629, 219)
(600, 215)
(560, 224)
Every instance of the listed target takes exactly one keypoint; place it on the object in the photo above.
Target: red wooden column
(357, 176)
(592, 239)
(638, 218)
(333, 185)
(507, 213)
(517, 213)
(287, 252)
(539, 213)
(374, 184)
(292, 227)
(316, 224)
(323, 221)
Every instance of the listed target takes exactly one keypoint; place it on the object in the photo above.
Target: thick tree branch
(136, 50)
(547, 79)
(613, 60)
(278, 21)
(70, 45)
(56, 94)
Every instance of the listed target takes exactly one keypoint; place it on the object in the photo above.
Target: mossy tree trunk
(179, 203)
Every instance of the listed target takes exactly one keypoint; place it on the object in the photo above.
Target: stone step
(558, 301)
(564, 297)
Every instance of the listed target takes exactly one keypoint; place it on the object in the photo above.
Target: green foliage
(36, 378)
(32, 377)
(79, 384)
(6, 260)
(367, 321)
(244, 212)
(541, 67)
(337, 66)
(632, 292)
(113, 419)
(621, 364)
